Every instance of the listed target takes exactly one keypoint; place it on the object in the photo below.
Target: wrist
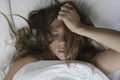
(80, 29)
(84, 30)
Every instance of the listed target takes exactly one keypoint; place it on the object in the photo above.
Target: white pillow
(23, 8)
(5, 48)
(104, 13)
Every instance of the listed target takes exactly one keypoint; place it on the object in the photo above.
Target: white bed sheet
(58, 70)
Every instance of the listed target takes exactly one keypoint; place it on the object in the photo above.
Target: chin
(62, 58)
(60, 55)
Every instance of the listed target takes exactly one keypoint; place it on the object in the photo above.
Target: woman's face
(58, 43)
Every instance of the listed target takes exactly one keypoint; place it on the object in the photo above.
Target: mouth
(61, 51)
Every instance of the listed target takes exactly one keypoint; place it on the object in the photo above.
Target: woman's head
(57, 39)
(53, 33)
(47, 34)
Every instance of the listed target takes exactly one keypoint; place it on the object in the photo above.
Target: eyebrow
(54, 27)
(54, 30)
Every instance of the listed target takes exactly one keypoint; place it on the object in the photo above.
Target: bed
(103, 13)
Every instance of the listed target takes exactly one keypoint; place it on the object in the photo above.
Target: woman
(64, 35)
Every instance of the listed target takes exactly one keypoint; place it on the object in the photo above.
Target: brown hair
(33, 41)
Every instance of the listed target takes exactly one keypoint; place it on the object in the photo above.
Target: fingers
(67, 7)
(60, 17)
(65, 10)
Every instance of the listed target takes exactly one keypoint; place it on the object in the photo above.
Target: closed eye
(55, 33)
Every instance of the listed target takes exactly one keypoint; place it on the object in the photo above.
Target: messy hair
(33, 40)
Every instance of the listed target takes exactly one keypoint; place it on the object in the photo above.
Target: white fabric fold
(58, 70)
(3, 71)
(115, 75)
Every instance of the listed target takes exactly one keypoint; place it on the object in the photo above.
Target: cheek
(53, 45)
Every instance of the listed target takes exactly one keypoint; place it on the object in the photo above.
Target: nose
(62, 43)
(62, 40)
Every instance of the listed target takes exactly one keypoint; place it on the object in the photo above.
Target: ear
(36, 19)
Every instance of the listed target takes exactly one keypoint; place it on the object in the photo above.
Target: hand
(70, 17)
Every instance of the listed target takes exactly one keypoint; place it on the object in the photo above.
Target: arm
(107, 37)
(107, 61)
(17, 66)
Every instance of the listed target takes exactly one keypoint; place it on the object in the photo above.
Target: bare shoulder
(107, 61)
(18, 65)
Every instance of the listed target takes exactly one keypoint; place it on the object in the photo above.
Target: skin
(58, 43)
(107, 61)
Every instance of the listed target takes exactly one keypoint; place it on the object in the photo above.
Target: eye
(55, 33)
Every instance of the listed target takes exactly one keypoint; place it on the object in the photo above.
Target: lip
(62, 51)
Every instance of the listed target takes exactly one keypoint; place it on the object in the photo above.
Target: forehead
(56, 23)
